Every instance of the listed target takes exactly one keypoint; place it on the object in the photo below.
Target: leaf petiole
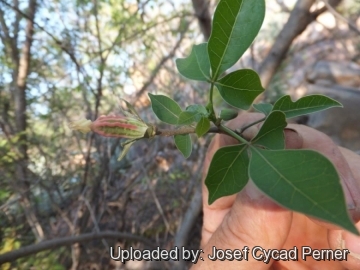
(233, 134)
(210, 106)
(252, 124)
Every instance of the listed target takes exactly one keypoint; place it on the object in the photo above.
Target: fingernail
(352, 243)
(293, 140)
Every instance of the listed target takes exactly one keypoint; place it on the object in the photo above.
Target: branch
(66, 241)
(282, 5)
(299, 19)
(201, 8)
(162, 62)
(16, 22)
(341, 17)
(9, 43)
(184, 130)
(187, 224)
(57, 41)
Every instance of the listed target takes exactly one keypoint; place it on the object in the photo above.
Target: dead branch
(341, 17)
(66, 241)
(299, 19)
(162, 62)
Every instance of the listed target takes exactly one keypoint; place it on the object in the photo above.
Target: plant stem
(220, 129)
(210, 105)
(250, 125)
(211, 94)
(233, 134)
(181, 131)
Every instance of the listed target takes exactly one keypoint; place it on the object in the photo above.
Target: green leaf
(183, 143)
(240, 88)
(235, 25)
(187, 118)
(228, 172)
(197, 65)
(166, 109)
(304, 105)
(303, 181)
(202, 127)
(228, 114)
(197, 108)
(126, 148)
(265, 108)
(271, 133)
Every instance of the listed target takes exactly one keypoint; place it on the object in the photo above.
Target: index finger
(219, 141)
(318, 141)
(215, 213)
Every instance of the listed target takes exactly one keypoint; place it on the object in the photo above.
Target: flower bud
(115, 126)
(82, 125)
(228, 114)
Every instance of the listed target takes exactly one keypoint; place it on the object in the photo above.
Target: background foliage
(60, 60)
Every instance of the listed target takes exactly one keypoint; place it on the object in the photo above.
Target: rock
(329, 72)
(341, 124)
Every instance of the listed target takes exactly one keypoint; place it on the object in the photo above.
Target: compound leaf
(265, 108)
(165, 108)
(228, 172)
(235, 25)
(303, 181)
(240, 88)
(197, 65)
(271, 134)
(304, 105)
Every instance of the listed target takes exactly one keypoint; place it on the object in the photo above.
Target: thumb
(253, 221)
(339, 239)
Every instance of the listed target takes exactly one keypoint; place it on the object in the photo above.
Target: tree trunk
(20, 75)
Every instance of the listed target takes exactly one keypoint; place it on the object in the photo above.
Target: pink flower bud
(119, 127)
(115, 126)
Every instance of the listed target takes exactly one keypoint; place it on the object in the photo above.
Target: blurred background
(64, 197)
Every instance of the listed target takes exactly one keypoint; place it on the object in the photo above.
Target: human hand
(250, 218)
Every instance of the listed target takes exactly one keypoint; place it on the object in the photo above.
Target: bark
(201, 8)
(20, 74)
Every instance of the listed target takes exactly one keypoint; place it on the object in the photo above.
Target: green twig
(250, 125)
(210, 105)
(233, 134)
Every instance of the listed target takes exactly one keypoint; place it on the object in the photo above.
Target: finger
(318, 141)
(254, 220)
(342, 240)
(353, 160)
(214, 213)
(219, 141)
(345, 161)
